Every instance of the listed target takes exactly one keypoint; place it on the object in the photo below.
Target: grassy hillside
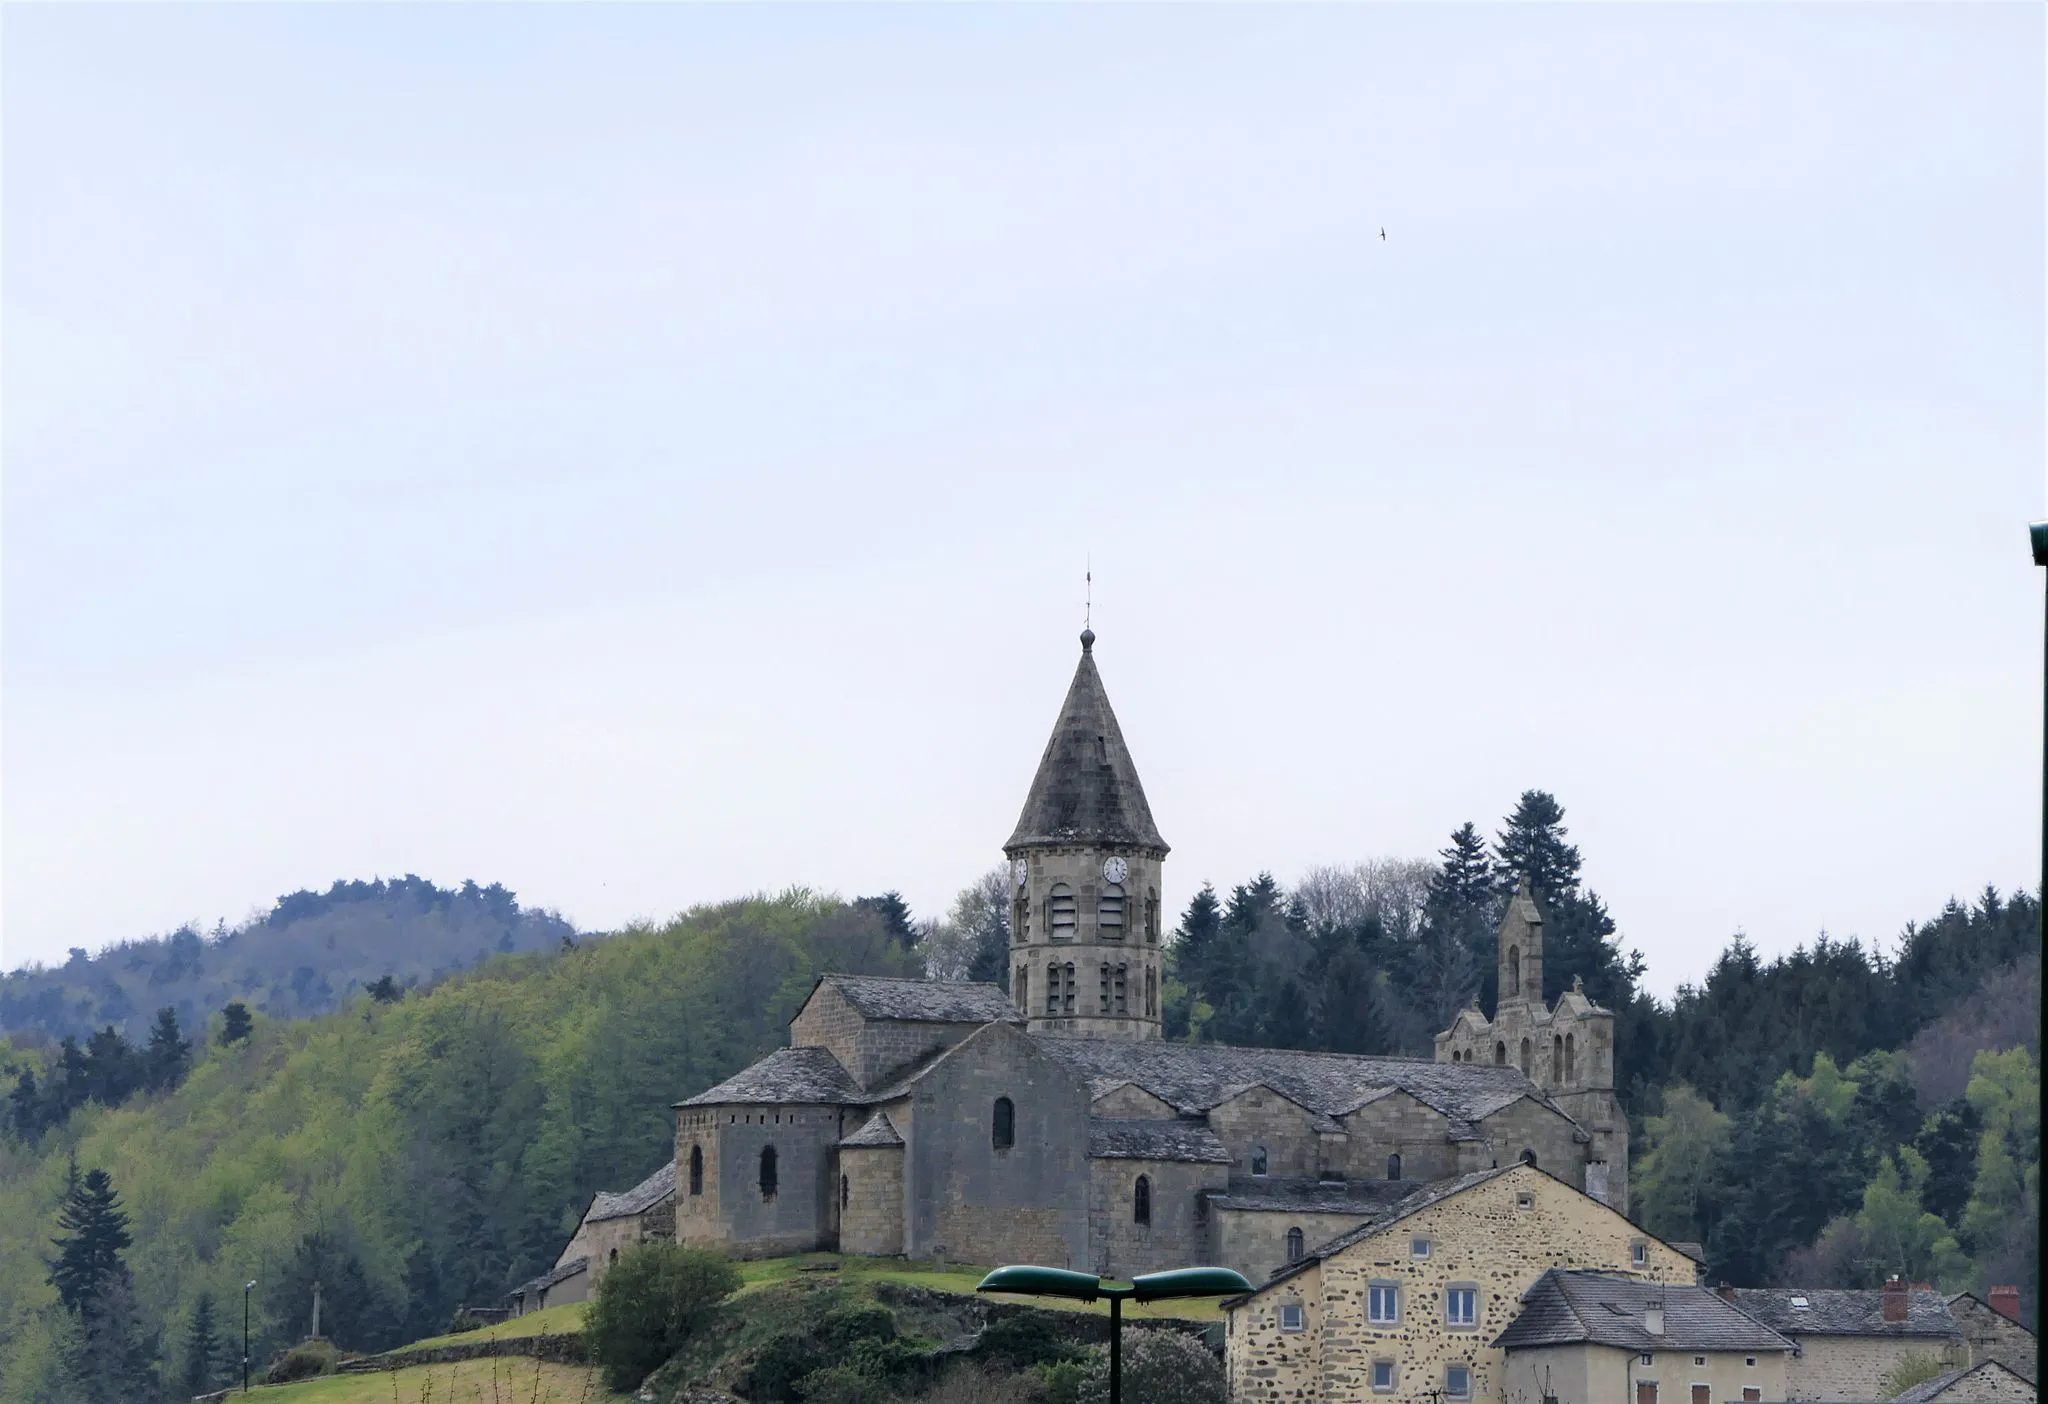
(308, 955)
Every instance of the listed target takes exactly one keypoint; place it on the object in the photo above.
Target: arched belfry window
(1394, 1166)
(1528, 1157)
(1525, 1057)
(1500, 1055)
(1109, 913)
(1514, 971)
(1141, 1201)
(696, 1169)
(1294, 1245)
(1060, 912)
(1258, 1160)
(1004, 1126)
(768, 1172)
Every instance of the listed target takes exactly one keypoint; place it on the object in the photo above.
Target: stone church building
(1051, 1123)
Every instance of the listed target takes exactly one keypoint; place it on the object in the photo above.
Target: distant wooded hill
(309, 955)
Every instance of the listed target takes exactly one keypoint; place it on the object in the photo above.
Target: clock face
(1023, 871)
(1116, 870)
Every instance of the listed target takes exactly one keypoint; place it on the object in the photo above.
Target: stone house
(1050, 1123)
(566, 1281)
(1987, 1382)
(1410, 1304)
(1596, 1337)
(1847, 1342)
(615, 1222)
(1991, 1324)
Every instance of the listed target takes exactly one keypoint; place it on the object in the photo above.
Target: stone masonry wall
(867, 1048)
(1079, 867)
(1254, 1241)
(1131, 1100)
(1854, 1367)
(871, 1201)
(1993, 1337)
(1397, 1124)
(697, 1219)
(1120, 1246)
(800, 1216)
(1259, 1116)
(1497, 1237)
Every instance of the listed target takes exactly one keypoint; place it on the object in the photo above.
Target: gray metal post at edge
(1116, 1350)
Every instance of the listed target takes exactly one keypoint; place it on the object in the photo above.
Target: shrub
(464, 1321)
(1027, 1339)
(840, 1384)
(302, 1362)
(647, 1305)
(1914, 1367)
(1160, 1367)
(799, 1367)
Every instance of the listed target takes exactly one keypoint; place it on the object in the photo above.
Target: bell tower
(1085, 860)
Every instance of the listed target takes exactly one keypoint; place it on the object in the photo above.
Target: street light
(1087, 1287)
(245, 1333)
(2038, 533)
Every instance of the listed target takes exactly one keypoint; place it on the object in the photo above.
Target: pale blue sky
(643, 454)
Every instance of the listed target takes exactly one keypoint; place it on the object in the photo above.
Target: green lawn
(563, 1320)
(502, 1380)
(950, 1277)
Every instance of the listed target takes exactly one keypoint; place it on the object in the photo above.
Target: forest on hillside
(1825, 1117)
(309, 954)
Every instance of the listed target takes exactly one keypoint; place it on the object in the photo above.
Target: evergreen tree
(1451, 964)
(1948, 1143)
(235, 1023)
(1198, 928)
(895, 915)
(386, 990)
(169, 1054)
(95, 1233)
(25, 1107)
(202, 1348)
(114, 1070)
(1533, 846)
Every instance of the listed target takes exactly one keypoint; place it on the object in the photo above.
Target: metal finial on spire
(1088, 606)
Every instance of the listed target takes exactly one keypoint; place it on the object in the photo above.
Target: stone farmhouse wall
(1498, 1237)
(1592, 1374)
(871, 1200)
(1854, 1367)
(967, 1201)
(603, 1241)
(1254, 1241)
(732, 1210)
(1120, 1246)
(1994, 1337)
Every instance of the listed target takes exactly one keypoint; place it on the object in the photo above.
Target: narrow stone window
(1394, 1166)
(1020, 988)
(1514, 971)
(1105, 989)
(1571, 1059)
(1525, 1057)
(1383, 1376)
(1052, 989)
(1500, 1055)
(1151, 917)
(1141, 1201)
(1109, 913)
(614, 1256)
(1294, 1245)
(1639, 1253)
(1068, 997)
(1004, 1131)
(696, 1169)
(1556, 1058)
(1151, 993)
(1020, 922)
(767, 1172)
(1060, 910)
(1122, 996)
(1258, 1160)
(845, 1192)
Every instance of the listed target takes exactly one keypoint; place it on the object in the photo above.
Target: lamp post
(2037, 532)
(1086, 1287)
(245, 1333)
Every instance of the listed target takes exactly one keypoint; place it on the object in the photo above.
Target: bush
(1027, 1339)
(1160, 1367)
(1914, 1367)
(840, 1384)
(302, 1362)
(832, 1358)
(464, 1321)
(647, 1305)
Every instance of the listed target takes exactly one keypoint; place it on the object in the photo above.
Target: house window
(845, 1192)
(1109, 913)
(1294, 1245)
(1418, 1247)
(1750, 1361)
(1646, 1359)
(1383, 1376)
(1702, 1394)
(1646, 1390)
(1751, 1394)
(1639, 1253)
(1383, 1303)
(1122, 1003)
(1060, 909)
(1020, 988)
(1525, 1201)
(1461, 1306)
(1394, 1166)
(1004, 1128)
(1291, 1317)
(1141, 1201)
(1258, 1160)
(1528, 1156)
(767, 1172)
(696, 1169)
(1458, 1381)
(1699, 1360)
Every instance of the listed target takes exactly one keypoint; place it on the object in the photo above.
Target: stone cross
(316, 1309)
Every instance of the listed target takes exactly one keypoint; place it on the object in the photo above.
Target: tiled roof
(1137, 1138)
(799, 1075)
(1086, 789)
(1986, 1371)
(925, 1001)
(1194, 1077)
(877, 1130)
(1696, 1251)
(1302, 1196)
(1572, 1307)
(1828, 1312)
(642, 1197)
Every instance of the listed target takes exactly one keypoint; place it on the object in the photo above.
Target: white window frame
(1393, 1377)
(1450, 1298)
(1372, 1302)
(1418, 1248)
(1298, 1312)
(1639, 1252)
(1449, 1392)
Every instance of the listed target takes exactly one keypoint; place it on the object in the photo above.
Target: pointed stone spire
(1087, 790)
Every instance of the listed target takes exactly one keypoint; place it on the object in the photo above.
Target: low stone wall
(562, 1349)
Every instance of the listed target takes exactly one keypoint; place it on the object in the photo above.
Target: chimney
(1653, 1318)
(2006, 1302)
(1894, 1300)
(1727, 1291)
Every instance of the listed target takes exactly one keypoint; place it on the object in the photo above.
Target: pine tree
(1451, 963)
(95, 1234)
(1533, 846)
(25, 1107)
(202, 1347)
(895, 915)
(235, 1023)
(169, 1053)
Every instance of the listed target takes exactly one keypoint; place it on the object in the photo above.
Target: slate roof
(1194, 1077)
(1086, 789)
(877, 1130)
(1940, 1386)
(1565, 1307)
(925, 1001)
(560, 1272)
(642, 1197)
(800, 1075)
(1433, 1192)
(1303, 1196)
(1138, 1138)
(1830, 1312)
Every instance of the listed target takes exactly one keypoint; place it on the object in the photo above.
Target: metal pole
(245, 1340)
(1116, 1350)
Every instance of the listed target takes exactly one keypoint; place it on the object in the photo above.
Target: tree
(1687, 1149)
(202, 1347)
(235, 1023)
(1451, 964)
(1533, 846)
(895, 915)
(1948, 1143)
(1160, 1367)
(95, 1234)
(1903, 1237)
(168, 1055)
(113, 1069)
(973, 942)
(385, 990)
(649, 1303)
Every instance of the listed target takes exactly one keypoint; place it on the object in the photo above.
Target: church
(1050, 1123)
